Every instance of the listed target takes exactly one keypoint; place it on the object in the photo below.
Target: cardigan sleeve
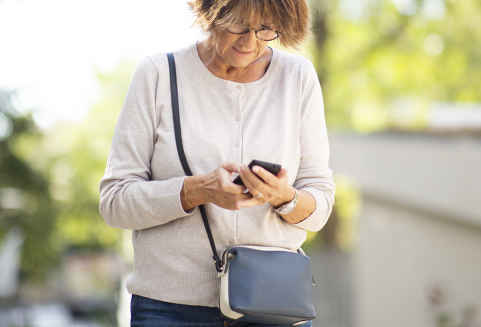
(129, 199)
(313, 175)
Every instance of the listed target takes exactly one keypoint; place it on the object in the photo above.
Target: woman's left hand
(271, 188)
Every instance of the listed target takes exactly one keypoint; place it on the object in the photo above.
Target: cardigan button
(239, 87)
(238, 117)
(237, 143)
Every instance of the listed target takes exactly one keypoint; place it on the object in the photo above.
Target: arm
(306, 204)
(314, 178)
(128, 198)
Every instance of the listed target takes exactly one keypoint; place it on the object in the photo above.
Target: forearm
(136, 204)
(192, 193)
(198, 190)
(306, 204)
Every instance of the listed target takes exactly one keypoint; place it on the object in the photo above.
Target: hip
(147, 312)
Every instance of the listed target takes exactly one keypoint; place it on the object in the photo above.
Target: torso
(222, 121)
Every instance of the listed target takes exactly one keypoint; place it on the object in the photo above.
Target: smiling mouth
(241, 51)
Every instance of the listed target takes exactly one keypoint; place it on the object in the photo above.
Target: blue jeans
(147, 312)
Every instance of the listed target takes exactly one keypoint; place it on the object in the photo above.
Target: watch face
(289, 206)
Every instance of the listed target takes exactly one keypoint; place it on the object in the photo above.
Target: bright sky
(48, 48)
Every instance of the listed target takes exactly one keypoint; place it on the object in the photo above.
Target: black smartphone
(270, 167)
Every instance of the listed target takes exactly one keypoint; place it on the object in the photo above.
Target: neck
(219, 68)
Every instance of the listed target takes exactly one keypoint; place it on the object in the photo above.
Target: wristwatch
(289, 206)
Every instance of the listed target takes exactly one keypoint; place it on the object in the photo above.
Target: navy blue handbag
(259, 284)
(266, 285)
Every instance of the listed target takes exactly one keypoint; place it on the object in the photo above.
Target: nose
(249, 40)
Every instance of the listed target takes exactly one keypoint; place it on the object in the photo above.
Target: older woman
(239, 100)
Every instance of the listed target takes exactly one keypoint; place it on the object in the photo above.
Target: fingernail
(255, 169)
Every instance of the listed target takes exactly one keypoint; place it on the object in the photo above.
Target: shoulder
(295, 66)
(158, 63)
(294, 61)
(152, 65)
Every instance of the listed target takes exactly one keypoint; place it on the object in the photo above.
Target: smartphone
(270, 167)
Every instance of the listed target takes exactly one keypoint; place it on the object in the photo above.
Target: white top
(279, 119)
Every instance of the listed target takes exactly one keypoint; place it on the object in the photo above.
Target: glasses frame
(256, 31)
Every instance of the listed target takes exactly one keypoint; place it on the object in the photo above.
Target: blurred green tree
(382, 62)
(25, 200)
(72, 158)
(77, 159)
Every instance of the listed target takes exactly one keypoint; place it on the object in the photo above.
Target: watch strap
(289, 206)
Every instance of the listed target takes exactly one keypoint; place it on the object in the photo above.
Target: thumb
(231, 166)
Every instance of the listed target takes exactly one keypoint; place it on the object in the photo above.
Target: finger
(240, 199)
(247, 203)
(229, 187)
(266, 176)
(251, 181)
(282, 173)
(231, 166)
(233, 188)
(243, 197)
(226, 180)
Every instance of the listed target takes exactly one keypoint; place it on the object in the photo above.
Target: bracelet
(185, 197)
(289, 206)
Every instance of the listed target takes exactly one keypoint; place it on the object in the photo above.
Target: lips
(241, 50)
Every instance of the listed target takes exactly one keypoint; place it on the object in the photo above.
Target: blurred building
(417, 257)
(82, 292)
(455, 117)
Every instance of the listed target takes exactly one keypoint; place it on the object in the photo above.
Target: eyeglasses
(263, 34)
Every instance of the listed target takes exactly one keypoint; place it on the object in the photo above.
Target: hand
(271, 188)
(216, 187)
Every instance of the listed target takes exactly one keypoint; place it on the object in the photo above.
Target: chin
(241, 62)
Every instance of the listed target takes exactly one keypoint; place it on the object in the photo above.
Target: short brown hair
(290, 17)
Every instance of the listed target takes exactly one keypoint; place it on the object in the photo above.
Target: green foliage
(24, 194)
(369, 63)
(72, 157)
(340, 231)
(78, 156)
(380, 69)
(348, 207)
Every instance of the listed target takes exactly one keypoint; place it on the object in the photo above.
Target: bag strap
(180, 150)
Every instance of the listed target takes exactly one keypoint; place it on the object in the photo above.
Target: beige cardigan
(278, 118)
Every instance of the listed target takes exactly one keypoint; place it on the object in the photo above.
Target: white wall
(420, 224)
(400, 255)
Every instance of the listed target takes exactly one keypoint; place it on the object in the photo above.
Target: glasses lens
(266, 35)
(238, 28)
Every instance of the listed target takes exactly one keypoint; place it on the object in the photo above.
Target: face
(239, 50)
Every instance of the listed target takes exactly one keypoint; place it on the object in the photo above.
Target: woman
(239, 100)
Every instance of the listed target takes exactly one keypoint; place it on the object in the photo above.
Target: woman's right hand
(215, 187)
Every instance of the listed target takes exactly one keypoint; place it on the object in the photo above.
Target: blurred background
(402, 86)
